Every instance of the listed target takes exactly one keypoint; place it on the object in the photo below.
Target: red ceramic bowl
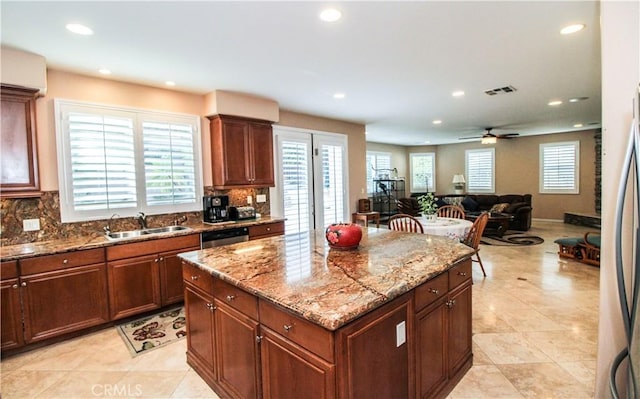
(343, 235)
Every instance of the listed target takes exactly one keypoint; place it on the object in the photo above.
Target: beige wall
(357, 146)
(517, 166)
(72, 86)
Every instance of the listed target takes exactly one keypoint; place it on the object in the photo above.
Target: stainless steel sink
(120, 235)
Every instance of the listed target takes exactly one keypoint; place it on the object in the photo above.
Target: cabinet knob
(211, 307)
(287, 327)
(23, 284)
(14, 286)
(268, 228)
(65, 261)
(161, 258)
(231, 297)
(259, 338)
(450, 303)
(463, 274)
(434, 291)
(156, 260)
(194, 278)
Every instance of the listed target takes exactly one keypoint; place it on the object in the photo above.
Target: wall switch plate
(401, 334)
(261, 198)
(249, 199)
(31, 224)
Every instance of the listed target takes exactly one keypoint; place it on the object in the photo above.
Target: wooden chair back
(451, 211)
(404, 222)
(475, 233)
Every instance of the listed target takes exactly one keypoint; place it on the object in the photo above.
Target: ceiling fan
(490, 138)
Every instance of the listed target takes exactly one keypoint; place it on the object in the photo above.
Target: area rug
(512, 239)
(155, 331)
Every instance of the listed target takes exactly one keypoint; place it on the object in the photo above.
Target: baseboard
(547, 220)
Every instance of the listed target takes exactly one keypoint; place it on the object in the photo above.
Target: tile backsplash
(46, 209)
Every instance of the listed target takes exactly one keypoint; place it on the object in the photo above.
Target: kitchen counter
(20, 251)
(331, 287)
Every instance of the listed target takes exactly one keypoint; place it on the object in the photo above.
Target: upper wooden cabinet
(241, 152)
(18, 148)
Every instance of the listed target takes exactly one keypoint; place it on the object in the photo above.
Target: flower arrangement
(428, 204)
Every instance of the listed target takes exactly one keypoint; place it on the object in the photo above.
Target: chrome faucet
(142, 219)
(107, 228)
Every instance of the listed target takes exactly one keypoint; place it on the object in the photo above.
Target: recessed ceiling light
(567, 30)
(104, 71)
(170, 83)
(79, 29)
(339, 96)
(577, 99)
(554, 103)
(330, 15)
(437, 122)
(427, 142)
(578, 125)
(458, 93)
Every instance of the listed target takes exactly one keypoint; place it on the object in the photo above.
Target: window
(422, 169)
(559, 167)
(480, 170)
(123, 160)
(375, 161)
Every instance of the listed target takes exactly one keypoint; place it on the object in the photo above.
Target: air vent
(500, 90)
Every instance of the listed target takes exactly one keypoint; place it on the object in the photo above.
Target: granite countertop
(19, 251)
(326, 286)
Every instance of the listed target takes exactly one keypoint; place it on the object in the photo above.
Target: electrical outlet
(261, 198)
(401, 334)
(249, 199)
(31, 224)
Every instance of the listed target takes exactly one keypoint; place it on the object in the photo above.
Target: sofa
(514, 204)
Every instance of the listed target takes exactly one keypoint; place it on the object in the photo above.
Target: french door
(311, 179)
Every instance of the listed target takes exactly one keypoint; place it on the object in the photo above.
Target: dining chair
(474, 235)
(404, 222)
(451, 211)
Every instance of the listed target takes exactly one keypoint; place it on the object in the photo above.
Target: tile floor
(535, 335)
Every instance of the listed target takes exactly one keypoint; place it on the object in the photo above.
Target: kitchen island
(287, 317)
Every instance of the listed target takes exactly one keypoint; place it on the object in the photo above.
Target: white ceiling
(397, 62)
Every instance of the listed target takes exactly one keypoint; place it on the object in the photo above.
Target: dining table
(453, 228)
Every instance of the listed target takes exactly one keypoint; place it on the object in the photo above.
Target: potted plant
(428, 206)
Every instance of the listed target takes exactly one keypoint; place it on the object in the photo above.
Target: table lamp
(458, 183)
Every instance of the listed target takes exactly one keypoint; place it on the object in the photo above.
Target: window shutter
(480, 170)
(376, 160)
(559, 168)
(169, 163)
(295, 164)
(332, 166)
(103, 174)
(422, 172)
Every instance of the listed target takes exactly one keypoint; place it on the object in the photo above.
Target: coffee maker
(215, 208)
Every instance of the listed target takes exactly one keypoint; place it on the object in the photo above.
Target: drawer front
(433, 289)
(266, 230)
(238, 299)
(65, 260)
(123, 251)
(302, 332)
(197, 277)
(460, 273)
(9, 269)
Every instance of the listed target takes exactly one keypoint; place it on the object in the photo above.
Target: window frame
(139, 116)
(470, 176)
(431, 187)
(576, 168)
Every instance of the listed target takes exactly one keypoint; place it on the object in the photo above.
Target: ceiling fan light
(489, 140)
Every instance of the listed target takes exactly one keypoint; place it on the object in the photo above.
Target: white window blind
(296, 185)
(123, 160)
(423, 168)
(480, 170)
(559, 167)
(333, 183)
(376, 160)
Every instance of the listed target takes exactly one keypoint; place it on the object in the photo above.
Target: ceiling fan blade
(469, 138)
(508, 135)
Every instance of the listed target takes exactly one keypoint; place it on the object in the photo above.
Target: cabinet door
(261, 155)
(431, 349)
(459, 345)
(11, 323)
(235, 142)
(58, 302)
(19, 154)
(134, 285)
(291, 372)
(237, 352)
(200, 339)
(171, 286)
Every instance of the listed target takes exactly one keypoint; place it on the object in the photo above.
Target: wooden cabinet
(18, 147)
(443, 331)
(54, 295)
(11, 324)
(140, 273)
(241, 152)
(198, 306)
(266, 230)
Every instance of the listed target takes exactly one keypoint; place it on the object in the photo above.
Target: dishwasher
(209, 239)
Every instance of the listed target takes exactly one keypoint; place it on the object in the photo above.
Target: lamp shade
(458, 179)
